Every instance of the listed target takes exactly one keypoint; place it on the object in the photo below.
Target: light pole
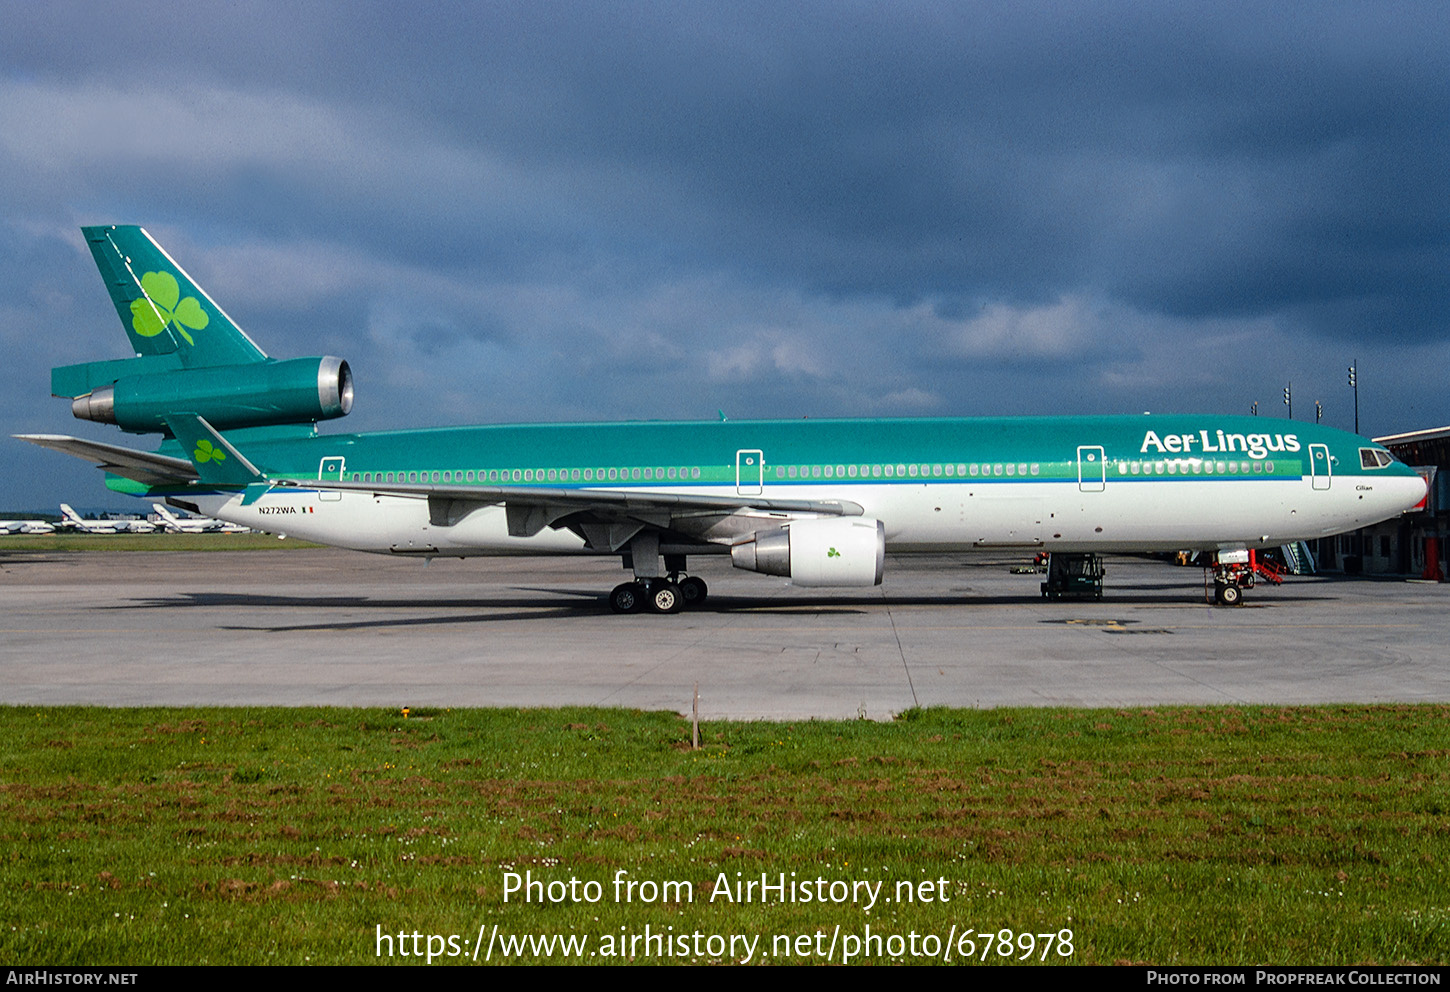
(1354, 384)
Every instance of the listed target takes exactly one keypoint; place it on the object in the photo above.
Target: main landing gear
(651, 592)
(668, 595)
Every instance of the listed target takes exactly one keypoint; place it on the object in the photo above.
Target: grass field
(1184, 835)
(146, 542)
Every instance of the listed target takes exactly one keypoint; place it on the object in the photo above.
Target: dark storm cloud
(581, 211)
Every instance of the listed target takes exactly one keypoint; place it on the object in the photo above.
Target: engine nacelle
(840, 551)
(298, 391)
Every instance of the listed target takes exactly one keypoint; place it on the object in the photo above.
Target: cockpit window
(1374, 458)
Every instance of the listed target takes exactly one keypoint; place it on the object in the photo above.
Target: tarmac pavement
(328, 627)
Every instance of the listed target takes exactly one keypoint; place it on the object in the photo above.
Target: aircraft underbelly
(390, 524)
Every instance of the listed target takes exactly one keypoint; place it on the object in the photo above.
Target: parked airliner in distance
(817, 501)
(72, 520)
(194, 525)
(26, 527)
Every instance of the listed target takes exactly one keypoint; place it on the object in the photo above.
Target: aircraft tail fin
(162, 309)
(191, 358)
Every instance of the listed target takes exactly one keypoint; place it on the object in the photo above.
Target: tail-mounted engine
(842, 551)
(299, 391)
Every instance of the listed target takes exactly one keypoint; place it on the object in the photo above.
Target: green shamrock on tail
(163, 305)
(207, 452)
(833, 553)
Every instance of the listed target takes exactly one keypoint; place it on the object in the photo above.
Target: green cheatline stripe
(715, 477)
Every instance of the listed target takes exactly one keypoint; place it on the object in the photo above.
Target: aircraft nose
(1411, 490)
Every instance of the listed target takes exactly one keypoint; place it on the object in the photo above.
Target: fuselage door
(330, 471)
(749, 472)
(1319, 470)
(1091, 468)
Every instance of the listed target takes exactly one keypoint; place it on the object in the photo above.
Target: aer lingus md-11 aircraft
(818, 501)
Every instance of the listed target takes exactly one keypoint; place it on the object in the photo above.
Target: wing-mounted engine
(299, 391)
(844, 551)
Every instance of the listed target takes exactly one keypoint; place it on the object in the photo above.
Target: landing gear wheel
(628, 597)
(1230, 595)
(693, 591)
(665, 597)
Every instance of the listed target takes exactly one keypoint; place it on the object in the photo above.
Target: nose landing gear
(1235, 571)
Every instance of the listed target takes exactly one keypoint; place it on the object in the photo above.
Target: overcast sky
(581, 211)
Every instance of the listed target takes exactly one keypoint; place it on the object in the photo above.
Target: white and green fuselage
(820, 501)
(1145, 483)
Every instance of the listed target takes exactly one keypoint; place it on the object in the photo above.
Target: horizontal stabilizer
(145, 467)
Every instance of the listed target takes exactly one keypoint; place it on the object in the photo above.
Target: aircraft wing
(605, 517)
(623, 500)
(145, 467)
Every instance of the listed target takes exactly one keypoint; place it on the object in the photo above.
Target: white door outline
(1091, 468)
(1320, 472)
(749, 472)
(330, 470)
